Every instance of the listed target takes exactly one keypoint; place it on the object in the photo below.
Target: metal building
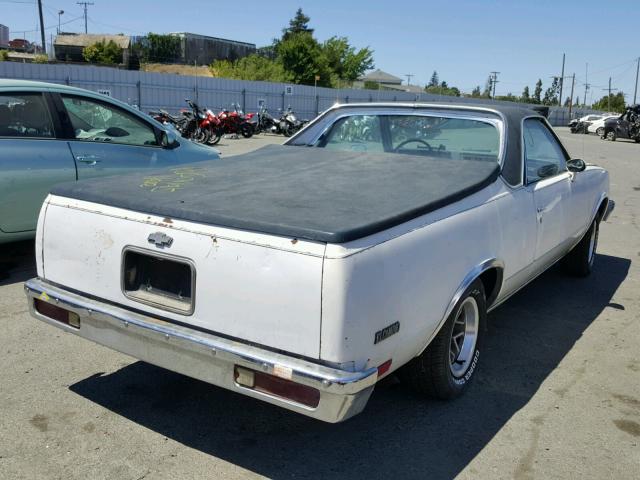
(203, 50)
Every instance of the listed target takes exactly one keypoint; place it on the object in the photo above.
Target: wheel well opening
(602, 208)
(491, 281)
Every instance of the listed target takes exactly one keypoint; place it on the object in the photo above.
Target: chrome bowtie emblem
(160, 239)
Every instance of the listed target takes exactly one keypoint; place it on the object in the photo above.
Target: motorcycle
(236, 122)
(266, 123)
(289, 124)
(195, 124)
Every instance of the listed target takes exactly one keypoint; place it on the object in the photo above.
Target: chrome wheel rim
(593, 242)
(464, 336)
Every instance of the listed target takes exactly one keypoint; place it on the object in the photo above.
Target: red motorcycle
(236, 122)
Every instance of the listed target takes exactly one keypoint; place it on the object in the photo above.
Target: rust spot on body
(167, 220)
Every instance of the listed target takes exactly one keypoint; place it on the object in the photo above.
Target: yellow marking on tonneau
(170, 183)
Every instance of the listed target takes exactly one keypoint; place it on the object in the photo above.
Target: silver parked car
(54, 133)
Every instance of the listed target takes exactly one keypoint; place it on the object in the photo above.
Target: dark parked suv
(626, 126)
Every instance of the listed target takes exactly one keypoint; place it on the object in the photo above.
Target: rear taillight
(56, 313)
(276, 386)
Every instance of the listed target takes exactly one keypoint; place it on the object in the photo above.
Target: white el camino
(374, 241)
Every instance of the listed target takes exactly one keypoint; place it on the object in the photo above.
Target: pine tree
(537, 92)
(435, 81)
(526, 98)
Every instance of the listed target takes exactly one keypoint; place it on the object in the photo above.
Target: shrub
(4, 55)
(101, 52)
(40, 59)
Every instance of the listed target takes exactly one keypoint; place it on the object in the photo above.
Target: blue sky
(463, 39)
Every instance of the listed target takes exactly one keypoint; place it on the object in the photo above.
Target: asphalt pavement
(557, 395)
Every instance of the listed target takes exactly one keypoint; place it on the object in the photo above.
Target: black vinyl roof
(298, 192)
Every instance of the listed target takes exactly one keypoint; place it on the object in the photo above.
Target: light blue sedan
(53, 133)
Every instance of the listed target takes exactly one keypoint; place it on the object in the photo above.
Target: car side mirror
(576, 165)
(168, 139)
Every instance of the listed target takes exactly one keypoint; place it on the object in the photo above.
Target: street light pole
(561, 81)
(60, 13)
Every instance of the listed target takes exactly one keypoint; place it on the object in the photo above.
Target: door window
(543, 155)
(97, 121)
(25, 115)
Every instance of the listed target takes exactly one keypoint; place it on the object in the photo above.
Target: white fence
(152, 91)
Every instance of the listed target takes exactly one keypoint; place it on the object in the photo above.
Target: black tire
(246, 129)
(215, 137)
(288, 130)
(579, 261)
(431, 373)
(600, 131)
(611, 136)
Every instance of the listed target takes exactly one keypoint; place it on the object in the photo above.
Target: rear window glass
(431, 136)
(25, 115)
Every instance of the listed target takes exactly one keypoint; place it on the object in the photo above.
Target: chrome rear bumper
(205, 356)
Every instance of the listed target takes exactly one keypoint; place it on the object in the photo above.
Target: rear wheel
(600, 131)
(246, 129)
(611, 136)
(579, 261)
(447, 365)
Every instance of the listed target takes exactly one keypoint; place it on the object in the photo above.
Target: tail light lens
(278, 387)
(54, 312)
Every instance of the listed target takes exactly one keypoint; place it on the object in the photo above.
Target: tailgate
(255, 287)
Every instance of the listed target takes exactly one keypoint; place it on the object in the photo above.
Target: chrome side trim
(205, 356)
(466, 282)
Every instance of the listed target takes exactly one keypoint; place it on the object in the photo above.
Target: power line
(409, 75)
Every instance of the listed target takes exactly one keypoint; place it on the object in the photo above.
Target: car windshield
(430, 136)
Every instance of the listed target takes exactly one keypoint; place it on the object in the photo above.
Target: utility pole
(561, 81)
(609, 96)
(573, 81)
(85, 4)
(494, 79)
(635, 92)
(44, 45)
(586, 84)
(409, 75)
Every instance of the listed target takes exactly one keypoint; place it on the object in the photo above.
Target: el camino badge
(160, 239)
(386, 332)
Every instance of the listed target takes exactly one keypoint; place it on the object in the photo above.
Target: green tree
(253, 67)
(434, 79)
(537, 93)
(486, 93)
(102, 52)
(551, 94)
(4, 55)
(302, 58)
(345, 62)
(442, 89)
(577, 103)
(476, 93)
(612, 103)
(509, 97)
(567, 102)
(369, 85)
(298, 24)
(525, 97)
(160, 48)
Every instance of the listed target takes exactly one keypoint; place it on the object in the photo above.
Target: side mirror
(576, 165)
(168, 139)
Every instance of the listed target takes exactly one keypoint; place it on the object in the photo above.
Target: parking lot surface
(557, 394)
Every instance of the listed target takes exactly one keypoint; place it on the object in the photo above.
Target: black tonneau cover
(298, 192)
